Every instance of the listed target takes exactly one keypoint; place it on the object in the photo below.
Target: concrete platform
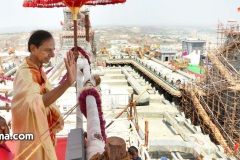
(113, 76)
(115, 82)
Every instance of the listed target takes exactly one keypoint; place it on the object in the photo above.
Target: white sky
(133, 12)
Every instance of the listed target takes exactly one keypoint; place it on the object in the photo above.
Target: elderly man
(33, 105)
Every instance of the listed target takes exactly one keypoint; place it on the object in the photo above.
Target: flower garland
(11, 79)
(49, 70)
(2, 98)
(83, 53)
(82, 101)
(6, 78)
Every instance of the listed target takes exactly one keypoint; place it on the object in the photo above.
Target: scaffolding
(214, 103)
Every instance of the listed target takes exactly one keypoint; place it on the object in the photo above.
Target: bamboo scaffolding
(217, 110)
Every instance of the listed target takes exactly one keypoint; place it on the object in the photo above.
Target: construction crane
(180, 65)
(11, 51)
(155, 54)
(128, 51)
(139, 51)
(147, 49)
(104, 51)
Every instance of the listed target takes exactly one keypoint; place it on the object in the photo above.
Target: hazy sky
(133, 12)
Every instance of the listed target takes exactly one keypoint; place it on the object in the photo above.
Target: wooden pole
(131, 106)
(75, 39)
(87, 26)
(136, 117)
(116, 148)
(75, 11)
(146, 133)
(128, 106)
(118, 115)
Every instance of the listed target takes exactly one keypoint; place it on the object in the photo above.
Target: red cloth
(74, 3)
(236, 147)
(7, 149)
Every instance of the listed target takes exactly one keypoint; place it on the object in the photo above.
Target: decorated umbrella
(74, 6)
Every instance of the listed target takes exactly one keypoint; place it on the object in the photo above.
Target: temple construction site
(170, 113)
(213, 103)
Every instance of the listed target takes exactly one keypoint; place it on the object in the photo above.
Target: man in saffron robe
(33, 104)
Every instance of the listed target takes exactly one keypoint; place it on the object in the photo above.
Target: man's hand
(3, 128)
(71, 67)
